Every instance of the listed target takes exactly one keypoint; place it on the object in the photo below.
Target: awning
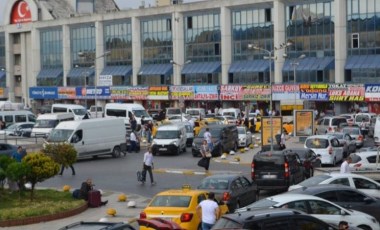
(310, 63)
(156, 69)
(202, 67)
(250, 66)
(50, 73)
(2, 74)
(121, 70)
(81, 72)
(363, 62)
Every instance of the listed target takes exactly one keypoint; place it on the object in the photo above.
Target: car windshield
(360, 118)
(214, 132)
(80, 112)
(12, 127)
(315, 180)
(167, 134)
(337, 135)
(193, 112)
(354, 131)
(59, 135)
(214, 183)
(263, 203)
(241, 130)
(173, 111)
(46, 123)
(229, 114)
(140, 113)
(317, 143)
(170, 201)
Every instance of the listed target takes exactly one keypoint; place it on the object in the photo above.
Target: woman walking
(206, 155)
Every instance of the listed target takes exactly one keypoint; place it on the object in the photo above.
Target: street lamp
(180, 65)
(271, 56)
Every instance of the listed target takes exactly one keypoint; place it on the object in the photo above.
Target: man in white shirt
(345, 168)
(207, 136)
(208, 211)
(148, 166)
(133, 142)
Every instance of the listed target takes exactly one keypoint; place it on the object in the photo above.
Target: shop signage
(67, 92)
(372, 92)
(21, 13)
(158, 93)
(244, 92)
(206, 92)
(231, 92)
(102, 92)
(266, 125)
(43, 92)
(304, 122)
(346, 92)
(314, 92)
(105, 80)
(182, 92)
(285, 92)
(129, 92)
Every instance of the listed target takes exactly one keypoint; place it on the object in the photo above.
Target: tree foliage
(62, 153)
(4, 162)
(17, 172)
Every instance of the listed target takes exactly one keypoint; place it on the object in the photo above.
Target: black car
(271, 219)
(344, 196)
(236, 190)
(8, 150)
(276, 170)
(309, 160)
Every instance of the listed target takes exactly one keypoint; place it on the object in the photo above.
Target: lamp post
(271, 56)
(180, 65)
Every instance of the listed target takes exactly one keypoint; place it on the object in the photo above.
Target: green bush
(17, 172)
(62, 153)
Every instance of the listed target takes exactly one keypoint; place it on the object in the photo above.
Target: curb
(192, 172)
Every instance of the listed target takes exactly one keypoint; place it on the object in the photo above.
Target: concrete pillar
(136, 48)
(66, 52)
(25, 73)
(9, 66)
(36, 54)
(178, 47)
(226, 40)
(340, 39)
(100, 51)
(278, 18)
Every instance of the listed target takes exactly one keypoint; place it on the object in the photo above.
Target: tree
(62, 153)
(17, 172)
(4, 162)
(42, 167)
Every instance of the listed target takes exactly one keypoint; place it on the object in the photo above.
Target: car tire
(116, 152)
(364, 227)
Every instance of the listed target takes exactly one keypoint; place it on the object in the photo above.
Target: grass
(45, 202)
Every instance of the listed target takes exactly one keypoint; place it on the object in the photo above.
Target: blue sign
(89, 92)
(43, 92)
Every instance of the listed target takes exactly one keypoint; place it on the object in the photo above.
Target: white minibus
(77, 110)
(46, 122)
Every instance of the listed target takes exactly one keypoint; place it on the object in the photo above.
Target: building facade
(322, 54)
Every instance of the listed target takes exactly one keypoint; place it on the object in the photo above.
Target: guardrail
(16, 140)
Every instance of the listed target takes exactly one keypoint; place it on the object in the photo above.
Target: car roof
(181, 192)
(261, 214)
(321, 187)
(287, 197)
(321, 137)
(366, 154)
(353, 175)
(224, 176)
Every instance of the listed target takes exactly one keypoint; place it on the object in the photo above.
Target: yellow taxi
(178, 206)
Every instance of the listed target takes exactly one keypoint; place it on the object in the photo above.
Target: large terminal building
(312, 54)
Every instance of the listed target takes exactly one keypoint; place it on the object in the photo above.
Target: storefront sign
(304, 122)
(129, 92)
(138, 92)
(231, 92)
(21, 13)
(105, 80)
(43, 92)
(266, 129)
(206, 92)
(181, 92)
(372, 92)
(256, 92)
(67, 93)
(285, 92)
(158, 93)
(346, 92)
(314, 92)
(102, 92)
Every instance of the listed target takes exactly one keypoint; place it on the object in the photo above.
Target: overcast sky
(123, 4)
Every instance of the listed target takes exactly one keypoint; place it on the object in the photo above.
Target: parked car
(235, 190)
(245, 136)
(18, 129)
(309, 160)
(344, 196)
(7, 149)
(327, 146)
(276, 170)
(350, 117)
(371, 127)
(356, 133)
(329, 124)
(320, 208)
(348, 142)
(364, 120)
(364, 161)
(362, 183)
(271, 219)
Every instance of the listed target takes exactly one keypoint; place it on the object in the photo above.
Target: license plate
(269, 176)
(162, 149)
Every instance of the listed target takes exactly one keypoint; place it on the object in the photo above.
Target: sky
(123, 4)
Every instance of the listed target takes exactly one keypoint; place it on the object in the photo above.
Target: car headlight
(242, 139)
(174, 143)
(154, 143)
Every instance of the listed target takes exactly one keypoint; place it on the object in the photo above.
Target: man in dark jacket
(133, 123)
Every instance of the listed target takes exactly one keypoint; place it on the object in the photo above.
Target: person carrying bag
(204, 162)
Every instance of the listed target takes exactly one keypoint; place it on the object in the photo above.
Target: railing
(16, 140)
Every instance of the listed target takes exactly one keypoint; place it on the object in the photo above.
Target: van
(96, 111)
(225, 138)
(233, 112)
(329, 124)
(173, 111)
(126, 110)
(77, 110)
(46, 122)
(10, 117)
(376, 134)
(170, 139)
(364, 121)
(197, 113)
(91, 137)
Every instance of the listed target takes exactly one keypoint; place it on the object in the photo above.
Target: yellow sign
(304, 122)
(266, 129)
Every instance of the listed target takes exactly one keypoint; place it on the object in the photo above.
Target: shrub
(4, 162)
(62, 153)
(17, 172)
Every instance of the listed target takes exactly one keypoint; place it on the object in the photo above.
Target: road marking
(231, 162)
(194, 172)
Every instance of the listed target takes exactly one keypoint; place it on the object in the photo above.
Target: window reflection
(83, 46)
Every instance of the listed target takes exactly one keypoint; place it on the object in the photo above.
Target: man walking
(345, 166)
(207, 136)
(148, 166)
(208, 210)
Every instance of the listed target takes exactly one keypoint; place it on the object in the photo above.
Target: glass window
(20, 118)
(83, 46)
(330, 196)
(323, 208)
(308, 223)
(342, 181)
(350, 196)
(118, 40)
(277, 225)
(298, 205)
(364, 184)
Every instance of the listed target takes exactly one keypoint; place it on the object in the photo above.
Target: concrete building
(211, 53)
(168, 2)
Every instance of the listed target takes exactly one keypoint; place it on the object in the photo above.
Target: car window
(337, 121)
(244, 182)
(371, 159)
(326, 122)
(330, 196)
(299, 205)
(342, 181)
(317, 143)
(276, 224)
(236, 184)
(360, 118)
(214, 183)
(334, 143)
(315, 180)
(303, 223)
(363, 184)
(354, 131)
(350, 196)
(323, 208)
(170, 201)
(201, 197)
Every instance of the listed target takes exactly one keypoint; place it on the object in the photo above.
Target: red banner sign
(346, 92)
(21, 13)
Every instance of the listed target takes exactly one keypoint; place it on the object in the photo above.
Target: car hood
(164, 141)
(293, 187)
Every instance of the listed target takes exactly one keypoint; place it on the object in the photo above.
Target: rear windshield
(241, 130)
(226, 223)
(355, 158)
(214, 132)
(360, 118)
(337, 121)
(170, 201)
(317, 143)
(267, 160)
(351, 131)
(263, 203)
(315, 180)
(214, 183)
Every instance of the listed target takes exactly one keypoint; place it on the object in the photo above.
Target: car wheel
(178, 151)
(116, 153)
(365, 227)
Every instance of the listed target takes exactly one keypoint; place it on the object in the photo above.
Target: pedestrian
(133, 142)
(85, 188)
(208, 211)
(282, 141)
(19, 154)
(208, 137)
(206, 154)
(148, 132)
(133, 123)
(252, 128)
(63, 169)
(345, 166)
(343, 225)
(148, 166)
(2, 124)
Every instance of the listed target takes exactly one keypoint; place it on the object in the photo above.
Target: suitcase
(94, 198)
(141, 176)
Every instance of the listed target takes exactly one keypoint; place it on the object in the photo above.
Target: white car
(364, 161)
(327, 146)
(319, 208)
(362, 183)
(245, 136)
(18, 129)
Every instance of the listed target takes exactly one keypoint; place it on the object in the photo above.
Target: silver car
(245, 136)
(348, 142)
(327, 146)
(356, 133)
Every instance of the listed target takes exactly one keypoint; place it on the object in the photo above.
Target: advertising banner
(231, 92)
(256, 93)
(372, 92)
(67, 93)
(206, 92)
(285, 92)
(102, 92)
(266, 125)
(43, 92)
(182, 92)
(105, 80)
(304, 123)
(346, 92)
(158, 93)
(314, 92)
(129, 92)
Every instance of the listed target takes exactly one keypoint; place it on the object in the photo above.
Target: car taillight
(330, 129)
(360, 138)
(358, 165)
(330, 150)
(286, 166)
(186, 217)
(226, 196)
(142, 215)
(253, 171)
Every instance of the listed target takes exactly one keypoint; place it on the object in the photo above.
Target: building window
(268, 15)
(118, 40)
(189, 22)
(83, 46)
(355, 41)
(51, 44)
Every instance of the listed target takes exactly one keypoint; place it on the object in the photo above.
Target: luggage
(94, 198)
(141, 176)
(76, 194)
(203, 162)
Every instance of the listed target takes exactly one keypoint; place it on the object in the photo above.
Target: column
(340, 39)
(226, 40)
(35, 61)
(136, 48)
(178, 47)
(25, 73)
(278, 18)
(66, 52)
(9, 66)
(100, 52)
